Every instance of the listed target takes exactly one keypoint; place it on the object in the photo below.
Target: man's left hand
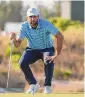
(51, 58)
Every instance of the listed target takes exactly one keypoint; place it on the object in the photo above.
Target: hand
(13, 36)
(51, 58)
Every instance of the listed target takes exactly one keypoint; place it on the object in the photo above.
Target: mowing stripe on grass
(41, 95)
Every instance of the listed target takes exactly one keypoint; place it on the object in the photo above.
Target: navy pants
(30, 56)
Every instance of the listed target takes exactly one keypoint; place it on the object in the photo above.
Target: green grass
(42, 95)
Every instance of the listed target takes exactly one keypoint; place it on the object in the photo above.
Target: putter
(9, 65)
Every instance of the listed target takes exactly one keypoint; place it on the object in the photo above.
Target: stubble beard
(34, 24)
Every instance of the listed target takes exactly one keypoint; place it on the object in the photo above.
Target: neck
(34, 26)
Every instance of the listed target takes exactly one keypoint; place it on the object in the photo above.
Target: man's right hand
(13, 36)
(16, 42)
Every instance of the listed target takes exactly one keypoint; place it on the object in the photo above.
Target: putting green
(42, 95)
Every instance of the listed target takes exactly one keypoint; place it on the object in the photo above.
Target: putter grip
(11, 42)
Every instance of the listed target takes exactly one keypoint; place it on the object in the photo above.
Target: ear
(26, 17)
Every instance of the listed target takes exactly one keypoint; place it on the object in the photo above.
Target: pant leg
(28, 57)
(48, 68)
(48, 73)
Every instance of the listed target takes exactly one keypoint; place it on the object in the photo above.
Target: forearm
(59, 44)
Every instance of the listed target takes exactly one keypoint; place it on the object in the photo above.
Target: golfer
(39, 46)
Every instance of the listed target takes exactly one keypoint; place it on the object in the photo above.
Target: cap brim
(32, 14)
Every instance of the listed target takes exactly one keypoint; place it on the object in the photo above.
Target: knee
(23, 64)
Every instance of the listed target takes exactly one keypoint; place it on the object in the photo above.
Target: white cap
(32, 12)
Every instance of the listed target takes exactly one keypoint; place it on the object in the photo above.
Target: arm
(55, 32)
(60, 39)
(20, 36)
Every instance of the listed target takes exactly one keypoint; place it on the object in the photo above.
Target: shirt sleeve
(52, 29)
(21, 34)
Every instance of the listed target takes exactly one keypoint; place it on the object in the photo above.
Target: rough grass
(42, 95)
(74, 36)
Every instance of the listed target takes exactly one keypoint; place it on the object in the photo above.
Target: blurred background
(68, 17)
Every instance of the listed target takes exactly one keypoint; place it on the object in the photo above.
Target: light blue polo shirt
(38, 38)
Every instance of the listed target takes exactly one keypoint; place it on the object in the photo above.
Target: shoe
(47, 90)
(33, 88)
